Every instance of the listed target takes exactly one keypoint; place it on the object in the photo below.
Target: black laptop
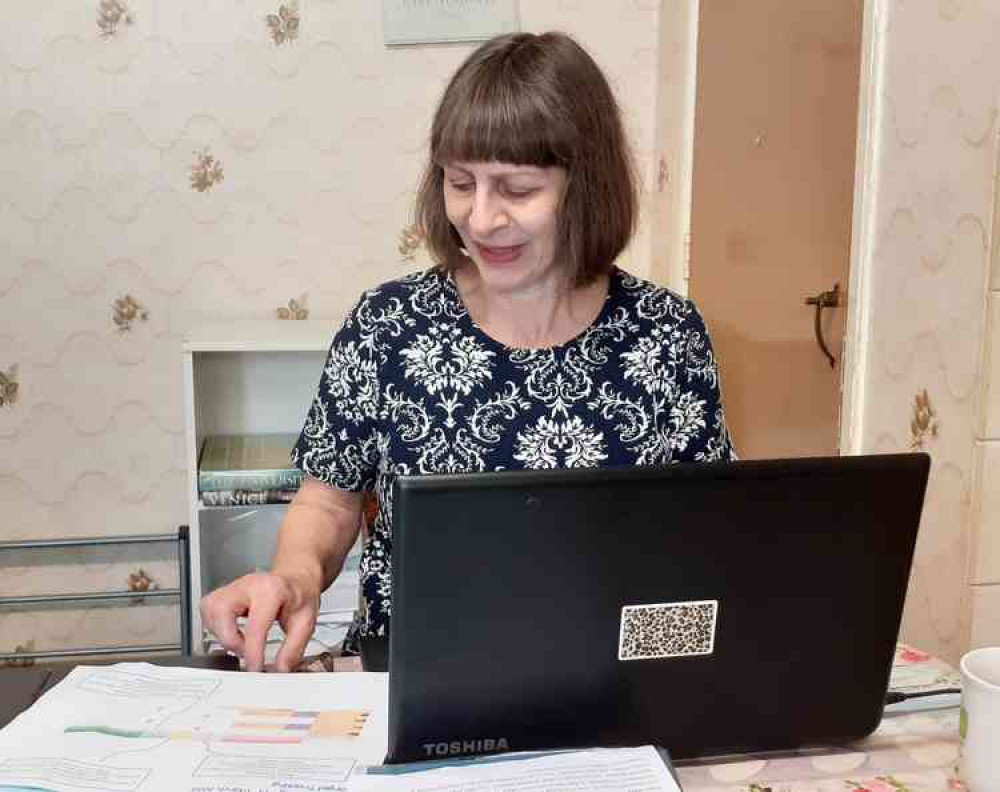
(707, 609)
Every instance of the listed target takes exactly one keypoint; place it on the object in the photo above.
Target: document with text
(135, 727)
(640, 769)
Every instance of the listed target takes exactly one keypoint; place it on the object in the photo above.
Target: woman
(525, 348)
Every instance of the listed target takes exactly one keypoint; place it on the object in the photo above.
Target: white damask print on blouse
(413, 386)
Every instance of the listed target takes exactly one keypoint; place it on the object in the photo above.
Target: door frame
(855, 360)
(857, 328)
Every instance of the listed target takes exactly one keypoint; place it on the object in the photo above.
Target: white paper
(595, 770)
(135, 727)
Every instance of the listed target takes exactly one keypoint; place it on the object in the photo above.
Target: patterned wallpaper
(170, 162)
(167, 162)
(936, 146)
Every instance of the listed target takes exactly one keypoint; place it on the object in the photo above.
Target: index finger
(259, 621)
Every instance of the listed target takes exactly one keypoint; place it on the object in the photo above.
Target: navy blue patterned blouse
(412, 385)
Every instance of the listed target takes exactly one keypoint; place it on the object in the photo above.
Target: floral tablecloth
(909, 752)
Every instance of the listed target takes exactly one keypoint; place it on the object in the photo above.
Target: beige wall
(927, 265)
(984, 569)
(319, 140)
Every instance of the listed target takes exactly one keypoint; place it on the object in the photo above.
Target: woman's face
(507, 216)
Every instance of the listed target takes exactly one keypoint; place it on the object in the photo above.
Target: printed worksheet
(135, 727)
(640, 769)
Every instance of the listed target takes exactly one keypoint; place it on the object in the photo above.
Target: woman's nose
(487, 214)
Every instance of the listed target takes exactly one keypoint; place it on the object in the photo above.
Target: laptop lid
(705, 608)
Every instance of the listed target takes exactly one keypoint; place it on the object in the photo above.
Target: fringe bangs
(502, 124)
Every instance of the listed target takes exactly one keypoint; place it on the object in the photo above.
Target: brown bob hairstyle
(539, 100)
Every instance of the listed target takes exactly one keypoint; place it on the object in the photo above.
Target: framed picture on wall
(440, 21)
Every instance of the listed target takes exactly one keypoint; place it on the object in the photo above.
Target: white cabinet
(245, 377)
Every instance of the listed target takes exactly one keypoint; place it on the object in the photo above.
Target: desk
(21, 687)
(910, 752)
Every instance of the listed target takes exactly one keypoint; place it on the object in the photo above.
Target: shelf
(182, 593)
(202, 508)
(243, 377)
(90, 596)
(58, 654)
(85, 541)
(262, 335)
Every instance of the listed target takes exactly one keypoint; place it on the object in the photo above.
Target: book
(248, 462)
(246, 497)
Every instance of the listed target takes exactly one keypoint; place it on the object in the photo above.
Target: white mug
(979, 725)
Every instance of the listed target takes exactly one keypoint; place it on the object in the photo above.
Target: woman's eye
(520, 192)
(461, 186)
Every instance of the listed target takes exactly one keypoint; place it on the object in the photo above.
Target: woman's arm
(319, 529)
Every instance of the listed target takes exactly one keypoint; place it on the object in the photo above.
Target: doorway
(772, 196)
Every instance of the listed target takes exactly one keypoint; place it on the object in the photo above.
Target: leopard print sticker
(674, 629)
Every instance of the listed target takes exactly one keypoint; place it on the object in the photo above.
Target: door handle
(826, 299)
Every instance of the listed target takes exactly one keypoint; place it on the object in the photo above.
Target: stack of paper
(134, 727)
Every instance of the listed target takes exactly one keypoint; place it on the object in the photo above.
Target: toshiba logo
(460, 747)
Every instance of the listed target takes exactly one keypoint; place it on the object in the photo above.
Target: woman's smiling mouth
(495, 254)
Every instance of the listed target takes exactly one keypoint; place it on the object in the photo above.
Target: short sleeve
(697, 418)
(339, 441)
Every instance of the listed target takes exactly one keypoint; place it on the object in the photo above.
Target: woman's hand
(319, 529)
(263, 597)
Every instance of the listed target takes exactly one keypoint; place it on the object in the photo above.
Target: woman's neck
(550, 314)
